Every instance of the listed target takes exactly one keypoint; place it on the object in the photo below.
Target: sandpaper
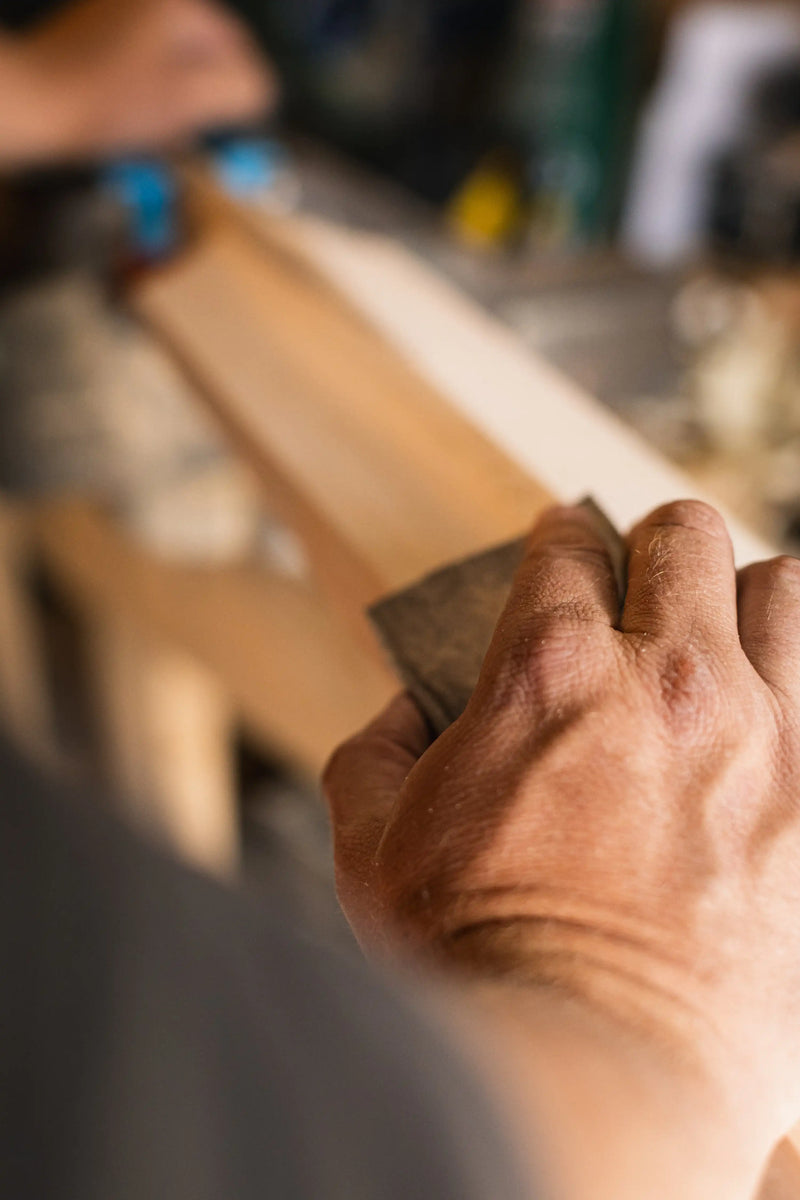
(437, 631)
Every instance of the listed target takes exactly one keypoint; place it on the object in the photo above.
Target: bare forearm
(604, 1114)
(107, 76)
(34, 124)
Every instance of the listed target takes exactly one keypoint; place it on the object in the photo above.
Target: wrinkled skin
(617, 813)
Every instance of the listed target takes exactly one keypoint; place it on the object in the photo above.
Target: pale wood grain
(543, 422)
(167, 741)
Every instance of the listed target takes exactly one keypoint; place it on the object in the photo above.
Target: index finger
(565, 591)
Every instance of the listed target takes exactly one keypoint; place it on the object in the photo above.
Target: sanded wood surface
(383, 478)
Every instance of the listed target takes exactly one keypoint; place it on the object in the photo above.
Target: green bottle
(573, 98)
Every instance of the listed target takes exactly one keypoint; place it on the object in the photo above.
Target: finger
(205, 27)
(567, 574)
(564, 592)
(769, 621)
(221, 72)
(237, 88)
(681, 576)
(219, 62)
(364, 776)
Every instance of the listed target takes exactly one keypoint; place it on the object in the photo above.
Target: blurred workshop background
(618, 181)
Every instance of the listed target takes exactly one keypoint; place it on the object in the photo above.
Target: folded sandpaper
(437, 631)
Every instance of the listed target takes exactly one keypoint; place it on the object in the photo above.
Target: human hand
(616, 816)
(108, 76)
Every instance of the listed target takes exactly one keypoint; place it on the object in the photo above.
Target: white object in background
(715, 55)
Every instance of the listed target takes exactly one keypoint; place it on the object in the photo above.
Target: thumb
(365, 774)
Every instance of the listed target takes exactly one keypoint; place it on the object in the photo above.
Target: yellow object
(487, 208)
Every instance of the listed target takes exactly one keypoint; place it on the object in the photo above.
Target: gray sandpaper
(437, 631)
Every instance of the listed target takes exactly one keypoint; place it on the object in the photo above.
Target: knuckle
(695, 515)
(561, 582)
(564, 529)
(566, 555)
(537, 670)
(754, 575)
(781, 571)
(689, 692)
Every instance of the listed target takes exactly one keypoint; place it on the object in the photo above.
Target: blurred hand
(616, 816)
(116, 75)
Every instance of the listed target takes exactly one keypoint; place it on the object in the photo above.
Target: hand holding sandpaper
(606, 840)
(437, 631)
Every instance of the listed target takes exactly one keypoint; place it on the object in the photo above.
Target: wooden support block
(166, 737)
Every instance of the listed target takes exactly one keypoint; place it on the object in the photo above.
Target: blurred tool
(755, 208)
(249, 166)
(148, 192)
(715, 57)
(489, 206)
